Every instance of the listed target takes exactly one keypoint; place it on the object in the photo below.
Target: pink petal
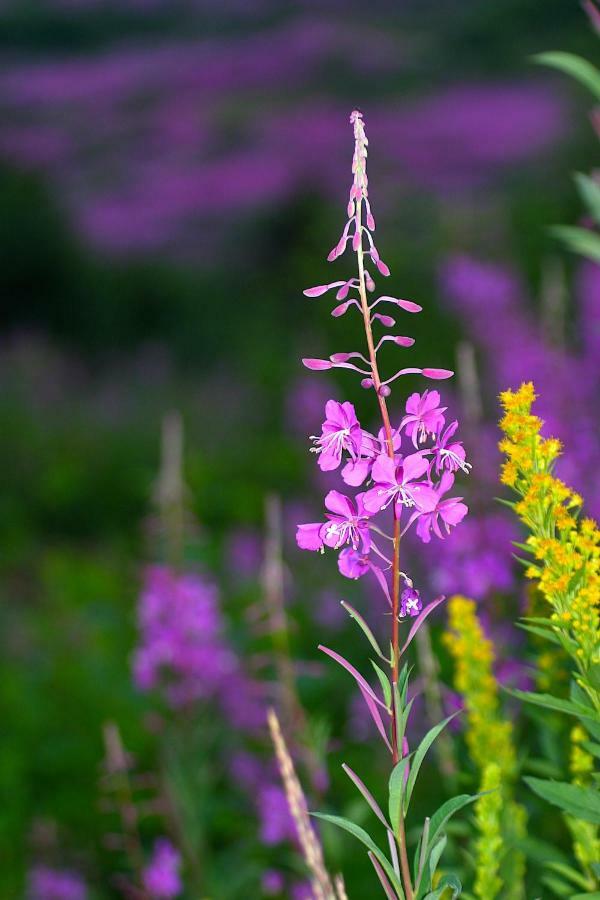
(354, 473)
(384, 470)
(308, 536)
(414, 466)
(339, 505)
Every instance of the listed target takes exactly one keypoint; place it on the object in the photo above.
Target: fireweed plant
(408, 472)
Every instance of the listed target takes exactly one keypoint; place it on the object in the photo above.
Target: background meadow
(170, 173)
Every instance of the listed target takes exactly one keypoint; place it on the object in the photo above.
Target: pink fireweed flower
(424, 416)
(340, 431)
(449, 454)
(450, 511)
(346, 524)
(396, 481)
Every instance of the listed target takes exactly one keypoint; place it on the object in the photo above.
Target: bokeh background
(172, 175)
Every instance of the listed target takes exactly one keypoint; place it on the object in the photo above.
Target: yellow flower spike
(568, 551)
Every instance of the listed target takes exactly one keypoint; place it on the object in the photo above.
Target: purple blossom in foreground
(341, 432)
(396, 480)
(161, 876)
(424, 416)
(346, 524)
(45, 883)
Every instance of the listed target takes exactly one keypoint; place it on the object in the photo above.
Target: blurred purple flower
(161, 876)
(45, 883)
(277, 824)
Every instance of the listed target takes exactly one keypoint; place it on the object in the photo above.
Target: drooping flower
(424, 416)
(161, 876)
(397, 482)
(450, 511)
(347, 523)
(410, 601)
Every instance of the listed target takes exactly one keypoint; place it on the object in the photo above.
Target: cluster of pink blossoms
(409, 469)
(416, 483)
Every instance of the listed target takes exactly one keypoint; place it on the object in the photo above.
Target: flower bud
(385, 390)
(366, 383)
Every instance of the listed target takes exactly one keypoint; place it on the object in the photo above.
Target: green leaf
(589, 191)
(362, 624)
(420, 756)
(569, 872)
(578, 68)
(541, 851)
(595, 895)
(367, 840)
(446, 811)
(556, 703)
(448, 881)
(434, 856)
(396, 789)
(579, 240)
(592, 748)
(384, 681)
(558, 887)
(593, 676)
(544, 633)
(582, 803)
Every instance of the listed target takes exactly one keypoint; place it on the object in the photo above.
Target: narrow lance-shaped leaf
(376, 716)
(589, 191)
(396, 789)
(361, 681)
(446, 811)
(579, 240)
(384, 681)
(582, 803)
(366, 794)
(549, 702)
(580, 69)
(419, 756)
(367, 840)
(361, 622)
(389, 891)
(447, 881)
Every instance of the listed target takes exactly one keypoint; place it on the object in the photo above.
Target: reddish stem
(364, 303)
